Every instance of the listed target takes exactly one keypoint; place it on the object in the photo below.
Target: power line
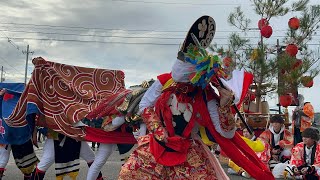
(86, 28)
(119, 36)
(88, 35)
(116, 42)
(10, 65)
(175, 3)
(91, 41)
(10, 41)
(111, 29)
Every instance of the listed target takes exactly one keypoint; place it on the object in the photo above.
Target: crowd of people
(289, 153)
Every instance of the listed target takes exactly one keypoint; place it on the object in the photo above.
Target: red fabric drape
(235, 148)
(112, 137)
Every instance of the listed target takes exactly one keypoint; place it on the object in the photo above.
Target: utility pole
(27, 52)
(1, 74)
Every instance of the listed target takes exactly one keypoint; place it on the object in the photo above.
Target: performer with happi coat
(65, 153)
(305, 158)
(278, 142)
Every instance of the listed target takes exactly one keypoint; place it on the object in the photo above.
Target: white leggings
(4, 156)
(47, 158)
(102, 156)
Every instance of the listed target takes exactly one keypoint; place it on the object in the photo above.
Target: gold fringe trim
(72, 175)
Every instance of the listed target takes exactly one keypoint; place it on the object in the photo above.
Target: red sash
(179, 144)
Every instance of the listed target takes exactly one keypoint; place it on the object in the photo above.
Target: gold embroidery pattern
(227, 120)
(142, 165)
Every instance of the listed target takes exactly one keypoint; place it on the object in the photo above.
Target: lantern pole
(278, 52)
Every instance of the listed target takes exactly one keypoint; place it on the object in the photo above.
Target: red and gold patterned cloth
(200, 164)
(64, 95)
(297, 157)
(266, 137)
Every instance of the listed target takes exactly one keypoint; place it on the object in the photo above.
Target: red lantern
(227, 61)
(307, 81)
(285, 100)
(262, 22)
(297, 64)
(266, 31)
(292, 50)
(310, 84)
(294, 23)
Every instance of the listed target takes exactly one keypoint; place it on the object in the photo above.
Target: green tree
(270, 63)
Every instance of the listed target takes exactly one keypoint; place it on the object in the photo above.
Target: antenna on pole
(27, 52)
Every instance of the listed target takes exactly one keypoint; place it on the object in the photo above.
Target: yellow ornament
(255, 54)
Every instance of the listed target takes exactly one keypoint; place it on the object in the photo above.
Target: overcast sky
(140, 37)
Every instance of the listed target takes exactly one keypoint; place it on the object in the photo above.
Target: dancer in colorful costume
(183, 100)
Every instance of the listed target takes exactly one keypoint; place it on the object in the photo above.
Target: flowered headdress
(193, 51)
(207, 65)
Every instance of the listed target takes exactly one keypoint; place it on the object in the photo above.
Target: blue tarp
(9, 135)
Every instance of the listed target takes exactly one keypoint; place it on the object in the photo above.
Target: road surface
(110, 170)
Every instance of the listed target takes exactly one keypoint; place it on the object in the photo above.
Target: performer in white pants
(4, 157)
(105, 150)
(4, 150)
(48, 157)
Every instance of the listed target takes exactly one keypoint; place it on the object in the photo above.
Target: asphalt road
(110, 170)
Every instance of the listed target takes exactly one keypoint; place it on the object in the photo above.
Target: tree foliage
(267, 62)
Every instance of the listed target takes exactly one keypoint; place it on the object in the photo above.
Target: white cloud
(138, 61)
